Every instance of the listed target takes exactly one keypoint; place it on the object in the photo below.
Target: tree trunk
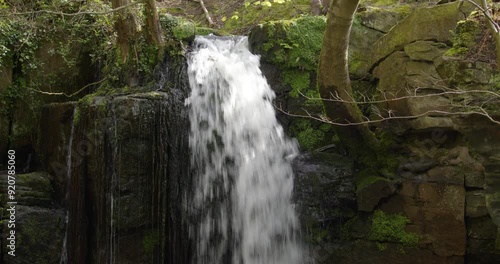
(154, 34)
(494, 28)
(333, 78)
(316, 7)
(125, 27)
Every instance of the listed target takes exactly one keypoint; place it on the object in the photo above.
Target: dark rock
(39, 235)
(369, 196)
(475, 204)
(33, 189)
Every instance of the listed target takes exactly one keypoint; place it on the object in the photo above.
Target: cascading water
(69, 161)
(241, 159)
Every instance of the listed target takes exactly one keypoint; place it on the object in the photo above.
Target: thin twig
(391, 117)
(207, 15)
(71, 95)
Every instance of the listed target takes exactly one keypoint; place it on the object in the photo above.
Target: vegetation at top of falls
(391, 228)
(183, 29)
(241, 20)
(295, 43)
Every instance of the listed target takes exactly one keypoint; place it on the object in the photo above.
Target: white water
(241, 156)
(64, 250)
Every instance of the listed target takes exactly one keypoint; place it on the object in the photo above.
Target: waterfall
(64, 250)
(241, 160)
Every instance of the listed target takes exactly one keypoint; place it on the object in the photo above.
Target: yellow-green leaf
(224, 19)
(235, 17)
(266, 3)
(247, 4)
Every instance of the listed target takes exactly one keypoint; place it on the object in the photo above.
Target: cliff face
(117, 169)
(437, 201)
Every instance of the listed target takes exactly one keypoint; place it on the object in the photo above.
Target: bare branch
(385, 100)
(70, 95)
(391, 116)
(493, 24)
(207, 15)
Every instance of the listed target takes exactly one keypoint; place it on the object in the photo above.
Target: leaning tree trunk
(334, 81)
(494, 28)
(154, 34)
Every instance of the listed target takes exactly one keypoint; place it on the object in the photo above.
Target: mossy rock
(391, 228)
(383, 19)
(178, 27)
(33, 189)
(465, 36)
(433, 23)
(311, 134)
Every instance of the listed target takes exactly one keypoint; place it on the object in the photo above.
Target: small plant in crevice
(391, 228)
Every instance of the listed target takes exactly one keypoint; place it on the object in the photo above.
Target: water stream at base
(241, 160)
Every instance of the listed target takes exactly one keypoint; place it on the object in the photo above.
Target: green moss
(295, 43)
(150, 241)
(298, 80)
(246, 17)
(36, 180)
(76, 116)
(308, 136)
(178, 27)
(381, 2)
(464, 37)
(391, 228)
(202, 31)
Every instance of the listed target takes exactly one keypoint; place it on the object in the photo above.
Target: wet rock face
(39, 224)
(127, 180)
(324, 187)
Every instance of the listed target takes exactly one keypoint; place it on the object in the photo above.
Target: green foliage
(391, 228)
(178, 27)
(255, 12)
(464, 37)
(308, 134)
(298, 80)
(296, 43)
(150, 241)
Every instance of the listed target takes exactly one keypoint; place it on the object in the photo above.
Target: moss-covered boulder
(433, 23)
(425, 50)
(383, 19)
(179, 28)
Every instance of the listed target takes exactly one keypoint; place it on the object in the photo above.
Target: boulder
(425, 50)
(371, 190)
(475, 204)
(383, 19)
(432, 23)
